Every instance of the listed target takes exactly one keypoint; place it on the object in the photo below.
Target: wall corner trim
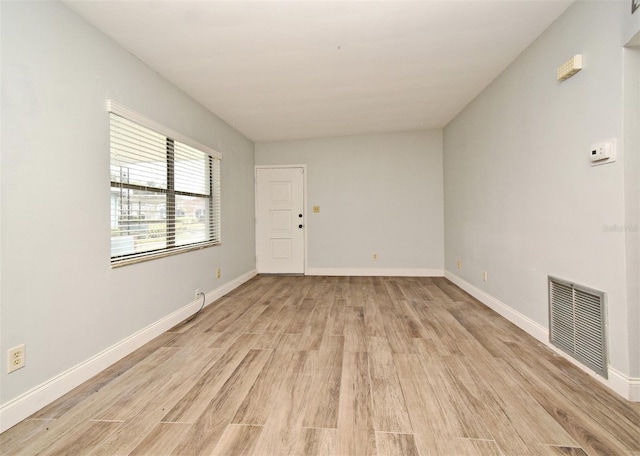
(30, 402)
(627, 387)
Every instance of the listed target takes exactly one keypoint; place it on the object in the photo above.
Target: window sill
(165, 253)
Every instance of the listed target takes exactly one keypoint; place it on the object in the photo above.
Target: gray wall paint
(521, 200)
(377, 194)
(59, 295)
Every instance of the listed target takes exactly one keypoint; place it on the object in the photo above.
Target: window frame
(171, 137)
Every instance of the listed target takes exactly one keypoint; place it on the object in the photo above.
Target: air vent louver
(577, 323)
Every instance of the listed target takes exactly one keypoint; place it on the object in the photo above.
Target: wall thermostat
(603, 152)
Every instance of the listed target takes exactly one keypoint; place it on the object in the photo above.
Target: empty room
(320, 227)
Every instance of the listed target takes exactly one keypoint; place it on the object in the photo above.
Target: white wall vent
(577, 323)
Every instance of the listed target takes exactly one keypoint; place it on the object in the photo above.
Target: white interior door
(280, 220)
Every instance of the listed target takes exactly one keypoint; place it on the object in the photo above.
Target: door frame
(305, 219)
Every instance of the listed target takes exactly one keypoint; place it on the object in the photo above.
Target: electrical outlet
(375, 257)
(459, 264)
(16, 358)
(197, 293)
(218, 273)
(485, 276)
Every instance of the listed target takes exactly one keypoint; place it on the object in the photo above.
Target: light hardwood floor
(337, 366)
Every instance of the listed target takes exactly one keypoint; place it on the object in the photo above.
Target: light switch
(316, 209)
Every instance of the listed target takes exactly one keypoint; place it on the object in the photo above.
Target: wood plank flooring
(337, 366)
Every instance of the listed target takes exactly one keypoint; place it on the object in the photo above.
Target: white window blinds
(165, 193)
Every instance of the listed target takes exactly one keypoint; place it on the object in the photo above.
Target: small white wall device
(570, 67)
(603, 152)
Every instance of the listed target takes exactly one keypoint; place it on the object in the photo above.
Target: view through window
(164, 194)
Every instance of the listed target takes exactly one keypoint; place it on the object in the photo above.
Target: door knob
(300, 226)
(300, 215)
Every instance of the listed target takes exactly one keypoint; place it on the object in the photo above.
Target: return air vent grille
(577, 323)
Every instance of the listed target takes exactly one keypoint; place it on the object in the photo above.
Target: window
(165, 190)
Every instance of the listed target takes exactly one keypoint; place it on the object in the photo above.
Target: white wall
(59, 295)
(631, 24)
(377, 194)
(632, 197)
(521, 200)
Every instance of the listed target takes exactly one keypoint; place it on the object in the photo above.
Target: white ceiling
(278, 70)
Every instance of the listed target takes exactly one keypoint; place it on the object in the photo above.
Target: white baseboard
(627, 387)
(371, 272)
(634, 389)
(30, 402)
(522, 321)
